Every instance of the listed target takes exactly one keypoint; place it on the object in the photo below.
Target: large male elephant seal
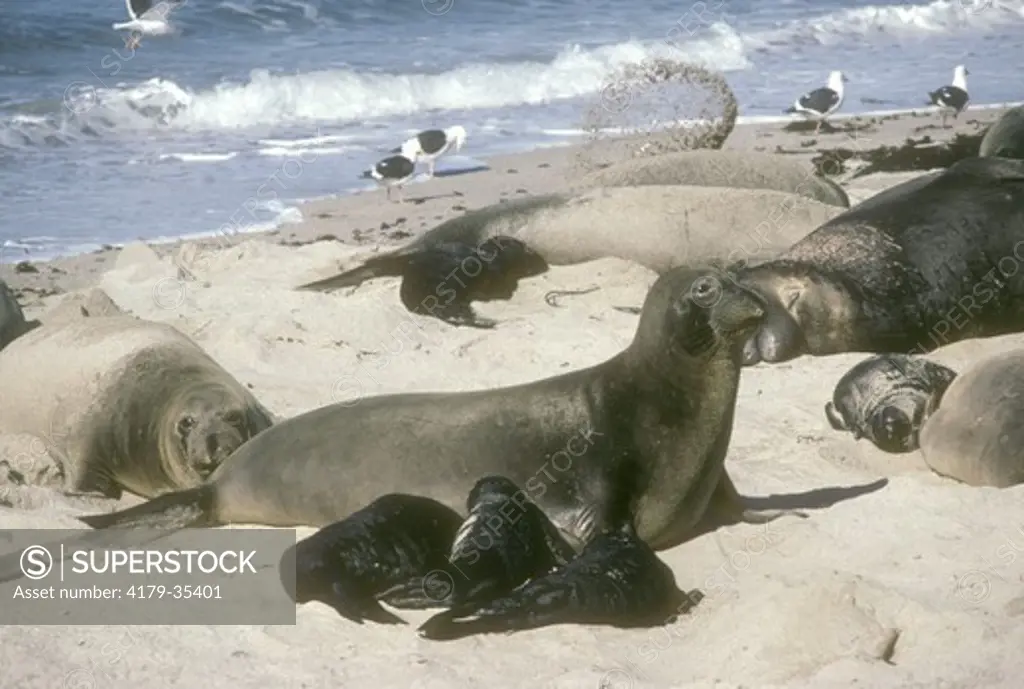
(1005, 138)
(660, 227)
(640, 438)
(12, 318)
(125, 404)
(710, 168)
(929, 262)
(976, 435)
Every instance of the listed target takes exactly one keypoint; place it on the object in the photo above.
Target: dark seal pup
(1005, 138)
(976, 435)
(641, 436)
(12, 318)
(617, 580)
(347, 564)
(505, 541)
(887, 398)
(932, 261)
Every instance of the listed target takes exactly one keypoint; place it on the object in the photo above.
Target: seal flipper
(178, 510)
(390, 265)
(415, 595)
(834, 418)
(359, 609)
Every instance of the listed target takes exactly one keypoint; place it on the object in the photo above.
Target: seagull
(147, 18)
(822, 102)
(393, 171)
(952, 99)
(431, 144)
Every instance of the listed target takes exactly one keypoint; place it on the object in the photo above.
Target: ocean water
(255, 105)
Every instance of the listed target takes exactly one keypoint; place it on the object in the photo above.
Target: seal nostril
(212, 446)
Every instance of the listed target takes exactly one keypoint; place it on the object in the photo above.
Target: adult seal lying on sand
(976, 435)
(923, 264)
(1005, 138)
(348, 564)
(125, 404)
(709, 168)
(660, 227)
(12, 319)
(617, 580)
(887, 398)
(640, 438)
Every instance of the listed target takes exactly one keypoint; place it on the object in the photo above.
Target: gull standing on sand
(431, 144)
(393, 171)
(147, 18)
(952, 99)
(822, 102)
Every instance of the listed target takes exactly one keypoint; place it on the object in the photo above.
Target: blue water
(256, 104)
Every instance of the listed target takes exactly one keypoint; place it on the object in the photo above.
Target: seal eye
(185, 425)
(706, 291)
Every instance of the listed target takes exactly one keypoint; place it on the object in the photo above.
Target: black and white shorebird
(393, 171)
(431, 144)
(952, 99)
(148, 18)
(821, 102)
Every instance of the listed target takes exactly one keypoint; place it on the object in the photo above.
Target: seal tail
(390, 265)
(179, 510)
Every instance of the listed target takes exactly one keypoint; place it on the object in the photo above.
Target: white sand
(899, 578)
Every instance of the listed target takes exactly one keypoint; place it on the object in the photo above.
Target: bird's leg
(401, 195)
(430, 169)
(818, 128)
(388, 191)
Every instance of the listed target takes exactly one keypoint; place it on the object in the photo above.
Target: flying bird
(821, 102)
(431, 144)
(147, 18)
(952, 99)
(393, 171)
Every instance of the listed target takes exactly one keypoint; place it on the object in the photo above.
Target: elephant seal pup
(617, 580)
(976, 435)
(346, 565)
(505, 541)
(12, 318)
(659, 227)
(932, 262)
(1005, 138)
(886, 399)
(721, 168)
(125, 404)
(641, 436)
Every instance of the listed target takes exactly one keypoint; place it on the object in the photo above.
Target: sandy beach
(899, 578)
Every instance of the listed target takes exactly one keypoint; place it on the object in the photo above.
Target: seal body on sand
(505, 541)
(659, 227)
(720, 168)
(1005, 138)
(887, 398)
(617, 580)
(125, 404)
(392, 540)
(929, 263)
(976, 435)
(12, 318)
(641, 437)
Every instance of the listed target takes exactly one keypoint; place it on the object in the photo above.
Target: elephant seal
(617, 580)
(442, 280)
(641, 437)
(346, 565)
(722, 168)
(976, 435)
(1005, 138)
(659, 227)
(886, 399)
(505, 541)
(12, 318)
(135, 406)
(896, 274)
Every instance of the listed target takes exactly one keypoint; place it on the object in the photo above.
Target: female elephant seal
(711, 168)
(659, 227)
(976, 435)
(125, 404)
(1005, 138)
(887, 398)
(641, 437)
(927, 263)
